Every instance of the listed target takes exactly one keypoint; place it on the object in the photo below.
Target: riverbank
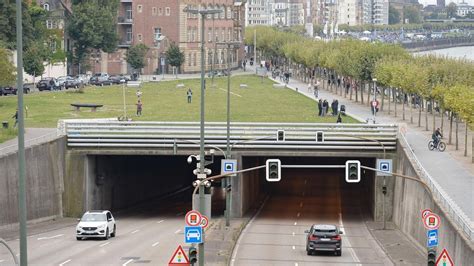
(438, 44)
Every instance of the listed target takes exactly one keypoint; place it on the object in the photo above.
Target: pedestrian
(339, 119)
(16, 118)
(325, 108)
(190, 95)
(139, 94)
(139, 108)
(332, 107)
(309, 87)
(245, 64)
(320, 107)
(316, 89)
(336, 106)
(296, 89)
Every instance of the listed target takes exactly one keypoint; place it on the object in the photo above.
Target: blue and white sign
(384, 165)
(228, 166)
(193, 234)
(432, 236)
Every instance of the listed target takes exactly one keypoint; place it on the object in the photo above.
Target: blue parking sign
(193, 234)
(432, 236)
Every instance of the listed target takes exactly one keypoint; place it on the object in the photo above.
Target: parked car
(83, 79)
(62, 81)
(115, 79)
(96, 224)
(8, 90)
(72, 83)
(100, 79)
(125, 78)
(48, 84)
(324, 237)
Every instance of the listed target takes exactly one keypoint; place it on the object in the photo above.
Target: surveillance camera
(207, 171)
(207, 184)
(196, 183)
(195, 171)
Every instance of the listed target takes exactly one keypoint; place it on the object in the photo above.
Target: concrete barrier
(44, 182)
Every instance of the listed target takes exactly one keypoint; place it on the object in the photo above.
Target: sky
(433, 2)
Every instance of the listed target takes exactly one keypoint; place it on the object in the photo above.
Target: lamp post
(228, 155)
(374, 102)
(203, 13)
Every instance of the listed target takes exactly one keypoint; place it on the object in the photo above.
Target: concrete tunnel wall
(45, 169)
(410, 198)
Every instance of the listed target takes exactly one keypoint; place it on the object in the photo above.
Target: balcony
(125, 21)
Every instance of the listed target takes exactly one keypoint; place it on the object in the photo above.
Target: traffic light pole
(202, 196)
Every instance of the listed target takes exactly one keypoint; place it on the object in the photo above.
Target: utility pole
(21, 137)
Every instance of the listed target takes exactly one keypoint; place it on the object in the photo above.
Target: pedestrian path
(455, 179)
(33, 136)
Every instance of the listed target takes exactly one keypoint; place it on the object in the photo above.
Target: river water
(455, 52)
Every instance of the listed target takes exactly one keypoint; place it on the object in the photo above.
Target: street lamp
(228, 155)
(203, 13)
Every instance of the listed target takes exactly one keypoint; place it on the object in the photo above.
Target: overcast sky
(433, 2)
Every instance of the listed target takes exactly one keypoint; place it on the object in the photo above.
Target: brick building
(157, 23)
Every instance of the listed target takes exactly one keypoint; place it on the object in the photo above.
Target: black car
(12, 90)
(48, 84)
(324, 237)
(116, 79)
(96, 81)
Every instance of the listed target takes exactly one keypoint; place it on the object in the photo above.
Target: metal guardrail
(451, 208)
(243, 136)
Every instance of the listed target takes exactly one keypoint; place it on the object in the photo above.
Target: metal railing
(243, 136)
(448, 205)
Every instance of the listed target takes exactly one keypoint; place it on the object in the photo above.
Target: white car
(96, 224)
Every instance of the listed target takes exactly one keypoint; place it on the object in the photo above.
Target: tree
(174, 56)
(33, 60)
(7, 70)
(393, 15)
(8, 24)
(412, 14)
(451, 10)
(136, 56)
(93, 25)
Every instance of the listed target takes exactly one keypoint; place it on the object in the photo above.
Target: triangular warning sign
(179, 257)
(444, 259)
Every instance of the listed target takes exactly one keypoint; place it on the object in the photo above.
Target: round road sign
(431, 221)
(204, 221)
(193, 218)
(425, 212)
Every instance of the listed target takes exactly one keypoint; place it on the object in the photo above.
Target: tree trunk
(426, 115)
(403, 107)
(382, 93)
(390, 92)
(434, 115)
(396, 102)
(410, 102)
(357, 90)
(362, 88)
(465, 140)
(450, 127)
(419, 112)
(369, 92)
(350, 92)
(457, 131)
(441, 110)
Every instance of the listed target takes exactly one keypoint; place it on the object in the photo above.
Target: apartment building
(258, 12)
(348, 12)
(158, 23)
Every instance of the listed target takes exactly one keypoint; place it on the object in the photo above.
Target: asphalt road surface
(148, 236)
(276, 235)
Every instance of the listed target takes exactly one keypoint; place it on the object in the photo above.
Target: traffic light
(352, 171)
(273, 170)
(192, 254)
(384, 190)
(431, 257)
(281, 135)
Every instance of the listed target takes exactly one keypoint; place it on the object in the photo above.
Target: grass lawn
(6, 134)
(162, 101)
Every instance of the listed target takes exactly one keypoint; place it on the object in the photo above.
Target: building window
(222, 13)
(209, 34)
(229, 34)
(139, 8)
(223, 35)
(153, 11)
(157, 34)
(168, 11)
(139, 37)
(189, 59)
(46, 6)
(49, 24)
(160, 11)
(129, 35)
(194, 59)
(229, 13)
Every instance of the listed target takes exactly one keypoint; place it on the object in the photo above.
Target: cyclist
(436, 136)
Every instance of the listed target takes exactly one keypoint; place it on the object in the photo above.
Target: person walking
(325, 108)
(139, 108)
(16, 118)
(320, 107)
(190, 95)
(316, 89)
(309, 87)
(332, 107)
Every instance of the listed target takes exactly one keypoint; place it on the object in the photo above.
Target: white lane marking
(293, 247)
(177, 231)
(125, 264)
(105, 244)
(155, 244)
(2, 260)
(159, 222)
(231, 92)
(296, 263)
(296, 223)
(135, 231)
(293, 234)
(298, 214)
(61, 264)
(49, 237)
(351, 250)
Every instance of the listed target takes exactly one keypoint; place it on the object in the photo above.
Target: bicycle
(441, 145)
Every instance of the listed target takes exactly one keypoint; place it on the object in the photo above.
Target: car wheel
(78, 238)
(106, 234)
(102, 84)
(114, 233)
(338, 253)
(309, 252)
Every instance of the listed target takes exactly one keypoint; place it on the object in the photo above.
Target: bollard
(5, 124)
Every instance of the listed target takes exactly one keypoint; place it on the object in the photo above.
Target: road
(276, 235)
(149, 235)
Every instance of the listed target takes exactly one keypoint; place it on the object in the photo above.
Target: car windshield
(93, 217)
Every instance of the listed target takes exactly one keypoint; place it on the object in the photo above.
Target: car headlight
(101, 226)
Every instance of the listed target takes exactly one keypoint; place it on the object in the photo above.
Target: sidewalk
(456, 178)
(33, 136)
